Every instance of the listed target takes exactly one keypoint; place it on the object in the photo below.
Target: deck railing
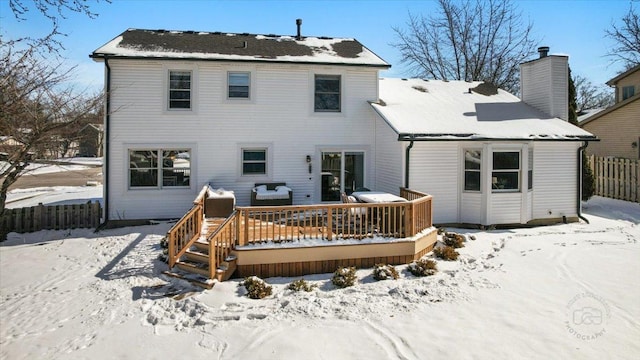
(261, 224)
(187, 230)
(222, 241)
(419, 216)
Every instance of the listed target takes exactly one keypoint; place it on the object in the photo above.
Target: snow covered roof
(586, 114)
(450, 110)
(161, 44)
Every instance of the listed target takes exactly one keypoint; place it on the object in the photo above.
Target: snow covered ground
(65, 164)
(557, 292)
(53, 195)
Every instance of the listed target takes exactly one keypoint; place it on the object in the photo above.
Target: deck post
(408, 220)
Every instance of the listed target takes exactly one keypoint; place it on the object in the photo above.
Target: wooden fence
(56, 217)
(616, 178)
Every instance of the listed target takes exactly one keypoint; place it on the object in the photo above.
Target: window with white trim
(506, 171)
(254, 161)
(159, 168)
(472, 163)
(239, 85)
(327, 93)
(180, 89)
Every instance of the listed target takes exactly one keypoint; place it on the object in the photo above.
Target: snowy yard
(555, 292)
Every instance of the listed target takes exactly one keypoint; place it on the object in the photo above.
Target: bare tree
(35, 106)
(626, 37)
(484, 40)
(589, 96)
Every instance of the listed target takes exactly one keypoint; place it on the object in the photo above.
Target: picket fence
(616, 178)
(58, 217)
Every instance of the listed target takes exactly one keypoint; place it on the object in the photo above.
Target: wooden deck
(272, 241)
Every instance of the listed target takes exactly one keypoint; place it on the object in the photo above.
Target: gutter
(579, 197)
(267, 61)
(406, 164)
(105, 156)
(472, 137)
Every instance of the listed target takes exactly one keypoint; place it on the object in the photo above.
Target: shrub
(452, 239)
(446, 253)
(422, 267)
(344, 277)
(301, 284)
(256, 287)
(384, 272)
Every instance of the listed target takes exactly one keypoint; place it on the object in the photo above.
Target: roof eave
(610, 109)
(613, 81)
(475, 137)
(100, 56)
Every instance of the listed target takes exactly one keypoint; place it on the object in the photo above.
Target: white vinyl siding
(434, 170)
(389, 152)
(277, 114)
(544, 85)
(555, 180)
(505, 208)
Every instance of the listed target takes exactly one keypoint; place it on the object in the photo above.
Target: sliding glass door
(342, 171)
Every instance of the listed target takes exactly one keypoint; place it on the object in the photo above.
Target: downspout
(406, 163)
(105, 155)
(579, 199)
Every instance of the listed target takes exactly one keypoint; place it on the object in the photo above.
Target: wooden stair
(196, 261)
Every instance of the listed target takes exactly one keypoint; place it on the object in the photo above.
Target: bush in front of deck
(423, 267)
(301, 284)
(384, 272)
(452, 239)
(344, 277)
(256, 287)
(446, 253)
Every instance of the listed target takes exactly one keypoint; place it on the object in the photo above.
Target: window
(472, 161)
(254, 162)
(327, 93)
(238, 85)
(159, 168)
(628, 91)
(179, 89)
(506, 171)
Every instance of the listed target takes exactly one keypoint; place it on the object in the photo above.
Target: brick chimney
(544, 83)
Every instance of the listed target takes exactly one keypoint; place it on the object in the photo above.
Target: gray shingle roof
(136, 43)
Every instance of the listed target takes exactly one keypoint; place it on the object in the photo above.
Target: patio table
(380, 217)
(377, 197)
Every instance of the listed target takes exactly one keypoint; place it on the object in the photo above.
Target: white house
(189, 108)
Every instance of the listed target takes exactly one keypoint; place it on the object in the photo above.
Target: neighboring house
(90, 139)
(9, 144)
(618, 126)
(233, 110)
